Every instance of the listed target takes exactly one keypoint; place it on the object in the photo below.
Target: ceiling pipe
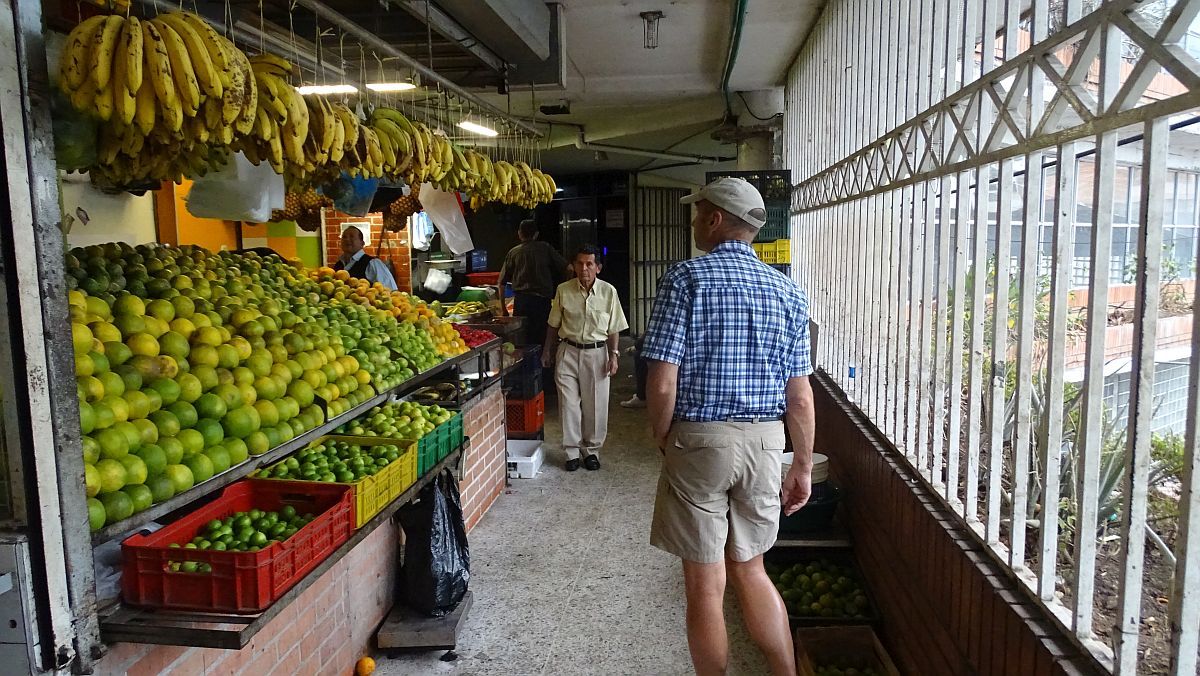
(369, 39)
(735, 44)
(581, 144)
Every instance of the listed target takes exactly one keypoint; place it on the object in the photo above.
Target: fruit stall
(214, 442)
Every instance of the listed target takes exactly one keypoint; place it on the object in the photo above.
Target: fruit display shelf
(217, 482)
(232, 632)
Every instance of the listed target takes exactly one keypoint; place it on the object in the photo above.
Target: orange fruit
(365, 665)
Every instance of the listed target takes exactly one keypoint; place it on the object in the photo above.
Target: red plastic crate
(240, 582)
(525, 415)
(482, 278)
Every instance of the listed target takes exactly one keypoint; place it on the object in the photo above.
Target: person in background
(359, 263)
(585, 323)
(640, 368)
(535, 269)
(728, 351)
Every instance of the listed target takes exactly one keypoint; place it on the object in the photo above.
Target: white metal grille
(963, 165)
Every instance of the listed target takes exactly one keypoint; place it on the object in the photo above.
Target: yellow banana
(198, 52)
(181, 68)
(106, 45)
(124, 104)
(349, 122)
(131, 51)
(145, 108)
(270, 96)
(76, 62)
(338, 148)
(270, 63)
(263, 126)
(245, 121)
(276, 156)
(212, 40)
(159, 62)
(102, 105)
(233, 95)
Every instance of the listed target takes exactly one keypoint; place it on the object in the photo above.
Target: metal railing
(913, 149)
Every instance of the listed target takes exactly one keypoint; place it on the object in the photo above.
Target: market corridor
(564, 579)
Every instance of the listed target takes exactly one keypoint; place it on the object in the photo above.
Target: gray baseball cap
(734, 195)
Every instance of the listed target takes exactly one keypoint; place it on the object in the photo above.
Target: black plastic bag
(437, 562)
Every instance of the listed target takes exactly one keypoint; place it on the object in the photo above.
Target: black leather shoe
(592, 462)
(572, 464)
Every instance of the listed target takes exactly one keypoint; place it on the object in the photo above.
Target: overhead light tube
(477, 128)
(391, 86)
(327, 89)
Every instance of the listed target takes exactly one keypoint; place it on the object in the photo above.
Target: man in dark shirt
(535, 269)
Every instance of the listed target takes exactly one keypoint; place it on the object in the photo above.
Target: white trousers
(582, 398)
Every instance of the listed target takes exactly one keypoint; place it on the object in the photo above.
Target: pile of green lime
(401, 420)
(820, 589)
(334, 460)
(250, 531)
(842, 669)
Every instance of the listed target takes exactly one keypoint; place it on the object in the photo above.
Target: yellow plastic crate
(759, 248)
(373, 493)
(769, 257)
(783, 245)
(783, 256)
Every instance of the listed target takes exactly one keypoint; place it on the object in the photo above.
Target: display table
(326, 621)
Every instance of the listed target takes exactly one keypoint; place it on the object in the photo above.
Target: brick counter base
(333, 623)
(486, 464)
(324, 631)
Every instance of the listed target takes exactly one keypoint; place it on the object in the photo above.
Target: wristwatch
(615, 353)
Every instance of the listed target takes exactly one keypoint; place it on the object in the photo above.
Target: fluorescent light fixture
(391, 86)
(327, 89)
(558, 190)
(477, 128)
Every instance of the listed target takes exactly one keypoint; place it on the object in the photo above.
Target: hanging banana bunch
(168, 90)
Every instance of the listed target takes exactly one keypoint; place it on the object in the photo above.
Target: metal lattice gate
(962, 173)
(659, 236)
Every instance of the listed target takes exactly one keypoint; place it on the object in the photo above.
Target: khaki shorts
(718, 495)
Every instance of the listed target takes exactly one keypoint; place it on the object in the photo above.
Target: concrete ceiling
(668, 98)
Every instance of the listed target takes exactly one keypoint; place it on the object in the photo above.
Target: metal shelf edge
(127, 527)
(122, 626)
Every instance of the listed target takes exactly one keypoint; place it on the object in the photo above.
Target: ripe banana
(107, 42)
(73, 69)
(181, 68)
(132, 51)
(198, 52)
(160, 74)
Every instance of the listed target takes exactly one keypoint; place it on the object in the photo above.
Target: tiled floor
(564, 579)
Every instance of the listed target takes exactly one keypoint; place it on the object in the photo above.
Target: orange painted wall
(209, 233)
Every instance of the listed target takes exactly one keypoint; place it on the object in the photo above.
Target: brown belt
(585, 346)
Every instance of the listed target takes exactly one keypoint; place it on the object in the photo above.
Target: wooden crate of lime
(377, 469)
(820, 586)
(841, 651)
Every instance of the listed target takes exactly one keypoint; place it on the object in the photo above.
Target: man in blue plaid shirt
(728, 352)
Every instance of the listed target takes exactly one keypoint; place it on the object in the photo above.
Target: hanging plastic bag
(352, 194)
(75, 135)
(445, 211)
(437, 562)
(238, 191)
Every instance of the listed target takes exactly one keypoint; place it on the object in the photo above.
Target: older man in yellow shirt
(585, 323)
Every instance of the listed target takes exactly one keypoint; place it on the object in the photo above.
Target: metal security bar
(973, 181)
(659, 236)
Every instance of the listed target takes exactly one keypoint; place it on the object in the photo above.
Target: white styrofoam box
(524, 458)
(820, 470)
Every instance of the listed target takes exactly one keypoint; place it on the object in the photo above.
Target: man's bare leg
(764, 613)
(705, 587)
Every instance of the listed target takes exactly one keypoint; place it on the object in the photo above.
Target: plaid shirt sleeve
(666, 332)
(800, 357)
